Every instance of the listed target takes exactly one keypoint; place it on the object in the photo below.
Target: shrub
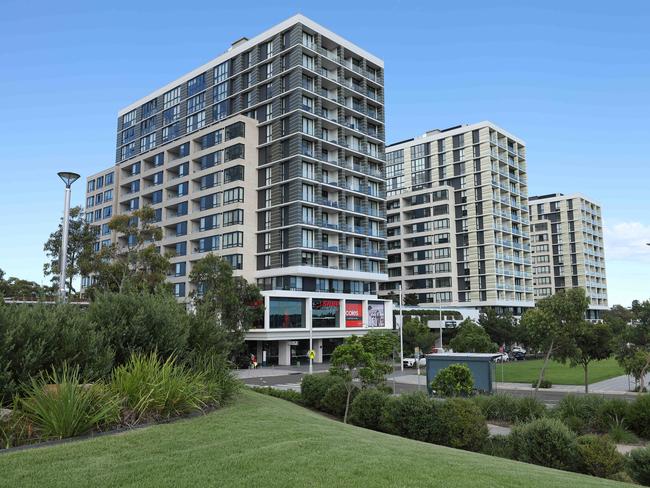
(335, 398)
(597, 455)
(367, 408)
(579, 412)
(221, 383)
(547, 442)
(454, 380)
(620, 435)
(15, 429)
(314, 386)
(507, 408)
(460, 424)
(639, 466)
(152, 388)
(41, 337)
(542, 384)
(610, 414)
(411, 415)
(499, 446)
(639, 416)
(140, 323)
(289, 395)
(59, 406)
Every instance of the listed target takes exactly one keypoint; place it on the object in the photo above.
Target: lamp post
(401, 330)
(68, 178)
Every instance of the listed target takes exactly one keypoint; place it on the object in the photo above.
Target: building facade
(271, 155)
(568, 249)
(458, 219)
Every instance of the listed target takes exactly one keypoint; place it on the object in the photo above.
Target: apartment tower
(457, 219)
(272, 156)
(568, 249)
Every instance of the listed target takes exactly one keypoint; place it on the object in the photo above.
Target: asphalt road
(292, 381)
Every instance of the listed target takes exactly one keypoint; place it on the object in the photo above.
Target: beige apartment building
(458, 219)
(271, 155)
(567, 248)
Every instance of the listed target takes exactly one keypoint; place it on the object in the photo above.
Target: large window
(196, 103)
(195, 85)
(286, 313)
(172, 97)
(221, 72)
(325, 313)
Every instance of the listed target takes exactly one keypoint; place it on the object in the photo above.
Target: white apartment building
(272, 156)
(568, 249)
(458, 221)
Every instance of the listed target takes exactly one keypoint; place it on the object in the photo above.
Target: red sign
(353, 314)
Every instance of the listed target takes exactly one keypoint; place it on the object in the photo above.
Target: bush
(314, 386)
(507, 408)
(221, 383)
(367, 408)
(152, 388)
(289, 395)
(335, 398)
(547, 442)
(412, 415)
(610, 414)
(59, 406)
(639, 416)
(579, 412)
(542, 384)
(140, 323)
(620, 435)
(452, 381)
(639, 466)
(460, 424)
(15, 429)
(41, 337)
(499, 446)
(597, 455)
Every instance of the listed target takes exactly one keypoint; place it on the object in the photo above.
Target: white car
(502, 358)
(410, 362)
(518, 349)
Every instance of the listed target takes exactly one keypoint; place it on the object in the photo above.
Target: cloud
(627, 241)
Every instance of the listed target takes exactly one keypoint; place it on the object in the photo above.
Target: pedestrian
(254, 361)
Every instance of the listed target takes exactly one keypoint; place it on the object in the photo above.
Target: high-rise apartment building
(458, 225)
(567, 246)
(271, 155)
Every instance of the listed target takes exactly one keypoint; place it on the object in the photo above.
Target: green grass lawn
(557, 373)
(268, 442)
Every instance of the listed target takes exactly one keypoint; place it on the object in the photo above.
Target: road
(289, 378)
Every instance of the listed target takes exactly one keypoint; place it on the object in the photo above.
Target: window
(267, 69)
(179, 289)
(308, 62)
(308, 40)
(267, 50)
(171, 114)
(90, 201)
(156, 197)
(181, 249)
(233, 195)
(233, 217)
(222, 110)
(148, 125)
(99, 198)
(172, 97)
(235, 173)
(307, 238)
(148, 142)
(195, 122)
(107, 212)
(108, 195)
(308, 193)
(308, 126)
(171, 132)
(232, 239)
(234, 260)
(221, 91)
(196, 103)
(221, 72)
(181, 229)
(195, 85)
(148, 108)
(445, 252)
(129, 119)
(100, 182)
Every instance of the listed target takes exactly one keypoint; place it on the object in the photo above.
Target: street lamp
(401, 330)
(68, 178)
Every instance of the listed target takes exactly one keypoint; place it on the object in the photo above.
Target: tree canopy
(471, 337)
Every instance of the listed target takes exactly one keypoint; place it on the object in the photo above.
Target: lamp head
(68, 177)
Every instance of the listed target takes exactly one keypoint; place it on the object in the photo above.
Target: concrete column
(258, 353)
(318, 350)
(284, 353)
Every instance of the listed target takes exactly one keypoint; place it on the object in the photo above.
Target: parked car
(504, 357)
(410, 362)
(518, 349)
(518, 355)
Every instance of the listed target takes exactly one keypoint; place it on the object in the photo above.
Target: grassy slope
(559, 374)
(263, 441)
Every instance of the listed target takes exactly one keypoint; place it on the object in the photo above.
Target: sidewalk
(271, 371)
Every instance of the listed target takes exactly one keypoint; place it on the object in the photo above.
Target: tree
(472, 338)
(411, 300)
(633, 352)
(381, 344)
(618, 317)
(226, 306)
(500, 328)
(80, 249)
(135, 264)
(417, 334)
(550, 326)
(351, 362)
(592, 342)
